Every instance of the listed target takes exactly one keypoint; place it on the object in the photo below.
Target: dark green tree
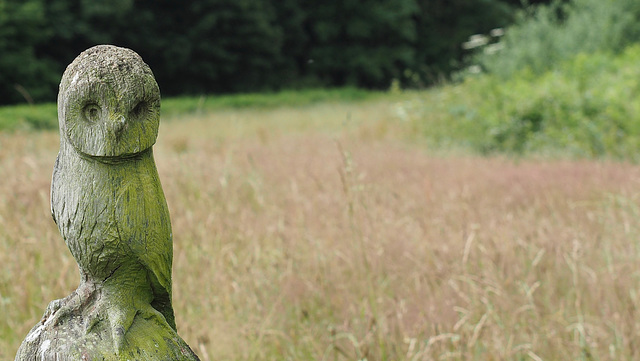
(442, 27)
(23, 76)
(207, 46)
(362, 43)
(215, 46)
(235, 44)
(75, 25)
(293, 62)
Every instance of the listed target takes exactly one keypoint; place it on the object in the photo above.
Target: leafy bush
(585, 107)
(547, 35)
(563, 80)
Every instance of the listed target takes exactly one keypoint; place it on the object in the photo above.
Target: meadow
(334, 230)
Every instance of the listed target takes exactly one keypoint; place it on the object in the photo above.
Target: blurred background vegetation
(512, 76)
(223, 46)
(293, 181)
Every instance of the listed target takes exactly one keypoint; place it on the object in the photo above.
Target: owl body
(106, 196)
(108, 203)
(111, 213)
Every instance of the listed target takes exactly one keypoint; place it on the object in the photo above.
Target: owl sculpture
(106, 197)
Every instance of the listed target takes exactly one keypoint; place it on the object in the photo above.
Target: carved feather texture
(106, 195)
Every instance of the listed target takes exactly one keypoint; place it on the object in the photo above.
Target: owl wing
(158, 261)
(144, 222)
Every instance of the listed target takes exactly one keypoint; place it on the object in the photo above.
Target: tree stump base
(62, 334)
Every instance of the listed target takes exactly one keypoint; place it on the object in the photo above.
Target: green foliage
(36, 117)
(547, 35)
(586, 107)
(562, 81)
(222, 46)
(174, 107)
(443, 25)
(361, 43)
(23, 76)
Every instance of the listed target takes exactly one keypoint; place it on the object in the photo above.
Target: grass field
(328, 231)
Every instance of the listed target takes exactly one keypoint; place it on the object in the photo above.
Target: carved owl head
(109, 103)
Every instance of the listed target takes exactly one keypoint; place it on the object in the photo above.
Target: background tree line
(222, 46)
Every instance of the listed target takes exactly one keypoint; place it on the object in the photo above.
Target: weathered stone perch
(108, 203)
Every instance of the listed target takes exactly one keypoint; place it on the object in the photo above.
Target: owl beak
(117, 124)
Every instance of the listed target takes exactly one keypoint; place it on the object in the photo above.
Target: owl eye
(140, 109)
(92, 112)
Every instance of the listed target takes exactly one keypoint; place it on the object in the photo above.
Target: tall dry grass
(321, 234)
